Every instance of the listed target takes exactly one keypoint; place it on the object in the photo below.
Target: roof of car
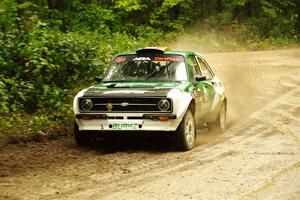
(154, 50)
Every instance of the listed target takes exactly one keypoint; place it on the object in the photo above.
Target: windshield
(147, 68)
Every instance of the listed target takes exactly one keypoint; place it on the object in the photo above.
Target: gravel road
(258, 157)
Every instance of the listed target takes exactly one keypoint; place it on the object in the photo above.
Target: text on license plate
(124, 126)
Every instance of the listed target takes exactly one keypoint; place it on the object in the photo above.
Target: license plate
(124, 126)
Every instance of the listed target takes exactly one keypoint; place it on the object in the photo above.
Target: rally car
(152, 90)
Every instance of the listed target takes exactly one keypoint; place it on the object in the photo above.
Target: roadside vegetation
(50, 49)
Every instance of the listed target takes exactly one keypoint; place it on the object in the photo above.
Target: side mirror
(98, 78)
(200, 78)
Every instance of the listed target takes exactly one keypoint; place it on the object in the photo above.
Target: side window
(204, 69)
(194, 66)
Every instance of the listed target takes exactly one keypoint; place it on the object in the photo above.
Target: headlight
(164, 105)
(86, 104)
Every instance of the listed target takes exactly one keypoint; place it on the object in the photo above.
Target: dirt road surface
(258, 157)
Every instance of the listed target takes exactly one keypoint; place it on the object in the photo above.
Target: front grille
(141, 105)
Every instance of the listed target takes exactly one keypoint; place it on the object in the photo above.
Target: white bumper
(128, 125)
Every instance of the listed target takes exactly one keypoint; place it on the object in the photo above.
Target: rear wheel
(219, 125)
(186, 132)
(83, 138)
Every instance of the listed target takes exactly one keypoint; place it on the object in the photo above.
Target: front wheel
(219, 125)
(186, 132)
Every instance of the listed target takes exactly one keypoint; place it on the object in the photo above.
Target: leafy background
(50, 49)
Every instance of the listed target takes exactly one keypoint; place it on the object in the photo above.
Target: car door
(198, 89)
(210, 84)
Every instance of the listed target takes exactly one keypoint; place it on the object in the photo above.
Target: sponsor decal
(141, 58)
(130, 126)
(177, 59)
(121, 59)
(198, 96)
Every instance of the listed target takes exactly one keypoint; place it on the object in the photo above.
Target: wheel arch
(192, 106)
(225, 101)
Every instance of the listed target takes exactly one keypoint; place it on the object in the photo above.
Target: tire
(219, 125)
(186, 132)
(83, 138)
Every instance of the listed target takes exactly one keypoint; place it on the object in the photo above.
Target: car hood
(130, 89)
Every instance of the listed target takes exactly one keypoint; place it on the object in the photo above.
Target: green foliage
(8, 15)
(270, 18)
(129, 5)
(173, 15)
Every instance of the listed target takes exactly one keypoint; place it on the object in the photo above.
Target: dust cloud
(251, 79)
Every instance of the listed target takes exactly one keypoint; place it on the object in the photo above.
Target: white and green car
(152, 90)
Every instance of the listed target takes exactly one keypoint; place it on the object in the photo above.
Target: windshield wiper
(110, 85)
(115, 81)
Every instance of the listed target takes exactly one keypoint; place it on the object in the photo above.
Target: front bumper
(117, 122)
